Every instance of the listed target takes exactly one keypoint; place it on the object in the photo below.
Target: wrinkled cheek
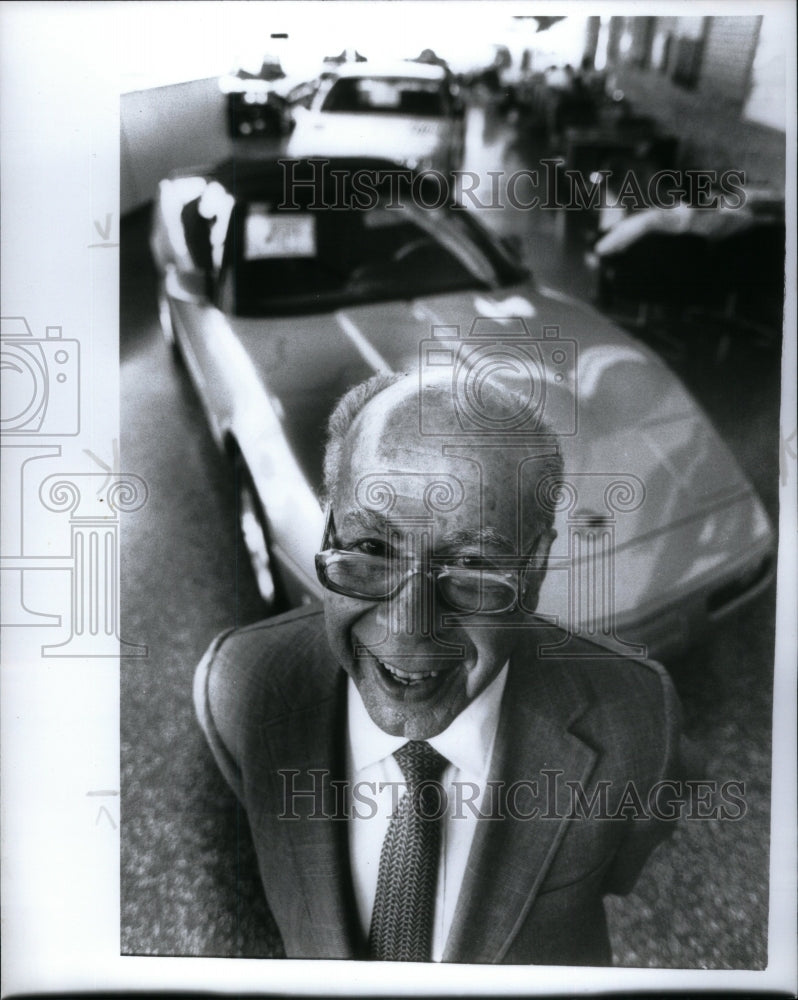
(340, 615)
(491, 652)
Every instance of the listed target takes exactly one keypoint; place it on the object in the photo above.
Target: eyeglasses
(378, 578)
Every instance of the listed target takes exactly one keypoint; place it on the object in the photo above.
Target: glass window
(295, 262)
(388, 95)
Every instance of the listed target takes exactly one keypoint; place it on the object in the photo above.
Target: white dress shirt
(468, 745)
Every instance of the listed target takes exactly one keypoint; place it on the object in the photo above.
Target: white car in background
(406, 112)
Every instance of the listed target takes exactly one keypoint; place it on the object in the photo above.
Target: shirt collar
(467, 742)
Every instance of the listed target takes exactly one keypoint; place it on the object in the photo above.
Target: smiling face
(415, 671)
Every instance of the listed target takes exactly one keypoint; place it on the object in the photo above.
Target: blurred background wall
(167, 127)
(716, 82)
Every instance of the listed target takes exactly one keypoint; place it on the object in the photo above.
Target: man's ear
(538, 563)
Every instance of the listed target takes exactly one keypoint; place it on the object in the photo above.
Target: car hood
(395, 137)
(645, 467)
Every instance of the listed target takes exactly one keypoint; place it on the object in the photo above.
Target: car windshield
(289, 262)
(387, 95)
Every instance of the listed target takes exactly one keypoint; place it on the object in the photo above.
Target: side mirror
(187, 283)
(196, 285)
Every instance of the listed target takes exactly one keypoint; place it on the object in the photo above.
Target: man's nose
(409, 611)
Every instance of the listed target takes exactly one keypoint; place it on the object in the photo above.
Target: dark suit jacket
(271, 699)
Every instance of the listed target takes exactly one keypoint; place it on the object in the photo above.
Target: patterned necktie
(404, 906)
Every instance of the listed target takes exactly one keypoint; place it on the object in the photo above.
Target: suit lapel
(306, 749)
(509, 856)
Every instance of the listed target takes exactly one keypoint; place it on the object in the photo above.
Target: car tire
(254, 554)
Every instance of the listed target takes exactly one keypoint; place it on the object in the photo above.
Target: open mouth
(413, 684)
(425, 673)
(409, 678)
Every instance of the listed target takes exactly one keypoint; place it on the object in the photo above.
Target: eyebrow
(478, 537)
(451, 541)
(370, 520)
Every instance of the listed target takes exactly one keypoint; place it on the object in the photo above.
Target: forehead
(390, 471)
(385, 443)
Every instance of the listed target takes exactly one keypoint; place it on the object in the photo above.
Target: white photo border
(62, 68)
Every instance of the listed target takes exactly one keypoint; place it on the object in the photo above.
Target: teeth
(408, 677)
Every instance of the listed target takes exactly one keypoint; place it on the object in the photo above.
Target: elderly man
(423, 779)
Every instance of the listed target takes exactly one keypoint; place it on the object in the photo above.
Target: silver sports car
(283, 283)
